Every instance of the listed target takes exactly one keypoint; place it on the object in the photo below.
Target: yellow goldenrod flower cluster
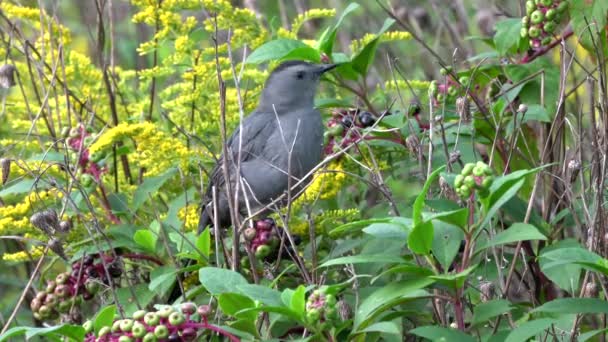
(35, 252)
(189, 215)
(324, 222)
(357, 45)
(14, 219)
(402, 85)
(326, 184)
(155, 151)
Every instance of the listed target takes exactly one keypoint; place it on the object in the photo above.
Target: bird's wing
(257, 127)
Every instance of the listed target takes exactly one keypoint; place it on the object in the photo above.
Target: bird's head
(292, 85)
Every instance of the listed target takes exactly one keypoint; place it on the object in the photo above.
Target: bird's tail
(204, 220)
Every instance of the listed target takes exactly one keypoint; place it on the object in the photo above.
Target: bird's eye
(300, 75)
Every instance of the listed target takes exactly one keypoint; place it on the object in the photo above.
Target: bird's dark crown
(289, 64)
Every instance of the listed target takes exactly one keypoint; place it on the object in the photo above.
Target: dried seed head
(591, 290)
(463, 109)
(65, 226)
(574, 165)
(438, 119)
(487, 291)
(344, 310)
(46, 221)
(522, 108)
(454, 157)
(57, 247)
(7, 76)
(5, 169)
(413, 144)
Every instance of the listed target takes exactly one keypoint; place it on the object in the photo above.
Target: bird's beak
(323, 68)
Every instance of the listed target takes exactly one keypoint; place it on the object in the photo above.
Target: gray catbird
(285, 120)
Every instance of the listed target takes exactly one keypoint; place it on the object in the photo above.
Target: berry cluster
(166, 324)
(344, 127)
(78, 141)
(542, 19)
(449, 89)
(321, 309)
(262, 237)
(70, 289)
(474, 177)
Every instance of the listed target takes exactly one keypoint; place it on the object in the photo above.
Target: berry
(523, 32)
(88, 326)
(530, 7)
(551, 14)
(176, 318)
(464, 80)
(86, 180)
(35, 304)
(150, 337)
(262, 251)
(115, 269)
(151, 318)
(204, 310)
(249, 234)
(126, 325)
(64, 306)
(174, 338)
(525, 20)
(487, 182)
(139, 330)
(336, 130)
(139, 314)
(534, 32)
(50, 286)
(546, 3)
(537, 17)
(161, 331)
(366, 119)
(546, 41)
(189, 334)
(62, 290)
(92, 286)
(313, 315)
(346, 122)
(550, 27)
(125, 338)
(563, 6)
(466, 170)
(62, 278)
(165, 311)
(104, 331)
(188, 308)
(88, 260)
(51, 300)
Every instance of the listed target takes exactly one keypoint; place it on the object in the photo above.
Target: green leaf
(297, 304)
(19, 187)
(485, 311)
(149, 187)
(146, 239)
(529, 329)
(507, 37)
(274, 49)
(232, 303)
(104, 317)
(265, 295)
(419, 203)
(560, 263)
(420, 240)
(72, 332)
(354, 227)
(590, 334)
(362, 60)
(129, 297)
(589, 17)
(436, 333)
(326, 41)
(387, 297)
(388, 230)
(162, 279)
(363, 259)
(390, 328)
(203, 242)
(219, 280)
(574, 306)
(517, 232)
(455, 281)
(446, 243)
(536, 112)
(500, 197)
(306, 53)
(459, 217)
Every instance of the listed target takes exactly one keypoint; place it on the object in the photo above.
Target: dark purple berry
(189, 334)
(174, 338)
(115, 269)
(366, 119)
(92, 272)
(347, 122)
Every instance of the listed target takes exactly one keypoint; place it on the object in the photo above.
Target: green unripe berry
(161, 331)
(464, 80)
(62, 278)
(546, 41)
(336, 130)
(441, 97)
(549, 27)
(151, 318)
(466, 170)
(445, 71)
(165, 311)
(530, 7)
(478, 171)
(330, 300)
(534, 32)
(176, 318)
(465, 191)
(452, 91)
(64, 306)
(88, 141)
(116, 326)
(537, 17)
(487, 182)
(126, 325)
(458, 181)
(96, 156)
(262, 251)
(50, 286)
(331, 313)
(125, 338)
(150, 337)
(139, 330)
(86, 180)
(469, 181)
(523, 32)
(92, 286)
(313, 315)
(139, 314)
(104, 331)
(88, 326)
(546, 3)
(562, 7)
(551, 14)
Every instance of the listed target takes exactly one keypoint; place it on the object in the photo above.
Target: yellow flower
(189, 215)
(326, 184)
(34, 253)
(357, 45)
